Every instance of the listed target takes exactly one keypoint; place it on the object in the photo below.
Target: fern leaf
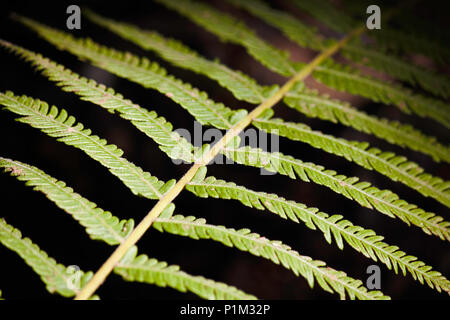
(56, 277)
(307, 37)
(60, 125)
(312, 104)
(157, 128)
(102, 225)
(329, 279)
(330, 73)
(385, 201)
(363, 240)
(231, 30)
(99, 224)
(106, 227)
(142, 71)
(143, 269)
(58, 33)
(178, 54)
(240, 85)
(397, 168)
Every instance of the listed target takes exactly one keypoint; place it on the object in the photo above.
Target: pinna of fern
(101, 225)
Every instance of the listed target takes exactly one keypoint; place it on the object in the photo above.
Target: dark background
(63, 239)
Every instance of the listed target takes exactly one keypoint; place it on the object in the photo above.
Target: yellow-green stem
(167, 198)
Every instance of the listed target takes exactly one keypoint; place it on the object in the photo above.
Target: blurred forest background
(62, 238)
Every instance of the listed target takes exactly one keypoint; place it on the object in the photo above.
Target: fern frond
(56, 277)
(99, 224)
(307, 37)
(385, 201)
(108, 230)
(329, 279)
(240, 85)
(102, 225)
(155, 127)
(363, 240)
(395, 167)
(180, 55)
(142, 71)
(60, 125)
(231, 30)
(335, 75)
(312, 104)
(143, 269)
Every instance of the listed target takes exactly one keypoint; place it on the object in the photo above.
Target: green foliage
(99, 224)
(142, 269)
(312, 104)
(399, 69)
(344, 78)
(387, 39)
(103, 225)
(363, 192)
(329, 279)
(303, 99)
(229, 29)
(60, 125)
(397, 168)
(363, 240)
(296, 30)
(109, 229)
(148, 74)
(403, 43)
(376, 58)
(331, 73)
(57, 278)
(242, 86)
(155, 127)
(327, 14)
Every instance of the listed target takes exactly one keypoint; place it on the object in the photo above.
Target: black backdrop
(62, 238)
